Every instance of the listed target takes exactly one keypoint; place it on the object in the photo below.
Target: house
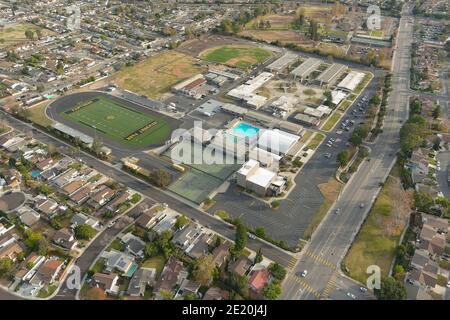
(215, 293)
(141, 279)
(80, 219)
(166, 221)
(259, 279)
(186, 237)
(48, 272)
(115, 203)
(107, 282)
(10, 250)
(201, 247)
(120, 261)
(188, 287)
(73, 186)
(47, 206)
(221, 253)
(65, 178)
(25, 273)
(13, 177)
(133, 245)
(28, 216)
(173, 274)
(82, 194)
(101, 197)
(46, 164)
(240, 266)
(65, 238)
(147, 219)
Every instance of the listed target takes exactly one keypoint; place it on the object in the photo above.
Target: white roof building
(277, 141)
(246, 93)
(337, 96)
(351, 81)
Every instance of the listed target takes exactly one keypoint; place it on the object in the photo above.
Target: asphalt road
(442, 175)
(329, 244)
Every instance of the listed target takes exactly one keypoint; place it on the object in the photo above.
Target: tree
(259, 256)
(260, 232)
(328, 98)
(437, 112)
(95, 294)
(391, 289)
(343, 157)
(6, 266)
(160, 178)
(181, 221)
(277, 271)
(313, 30)
(191, 296)
(272, 290)
(151, 250)
(29, 34)
(399, 272)
(38, 34)
(84, 232)
(241, 238)
(97, 145)
(416, 107)
(32, 239)
(204, 269)
(355, 139)
(43, 188)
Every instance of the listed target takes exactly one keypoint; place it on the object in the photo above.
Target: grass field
(377, 241)
(37, 115)
(236, 56)
(156, 75)
(15, 33)
(330, 191)
(120, 123)
(157, 262)
(195, 185)
(277, 22)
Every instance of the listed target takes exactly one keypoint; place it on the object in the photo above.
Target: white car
(448, 284)
(351, 295)
(363, 289)
(304, 273)
(251, 236)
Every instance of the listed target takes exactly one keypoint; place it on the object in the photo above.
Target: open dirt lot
(13, 34)
(156, 75)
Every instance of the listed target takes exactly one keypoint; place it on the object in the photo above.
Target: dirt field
(277, 21)
(14, 34)
(377, 242)
(156, 75)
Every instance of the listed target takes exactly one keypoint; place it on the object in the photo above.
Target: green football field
(119, 122)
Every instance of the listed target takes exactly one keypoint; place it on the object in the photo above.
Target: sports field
(155, 76)
(195, 185)
(236, 55)
(119, 122)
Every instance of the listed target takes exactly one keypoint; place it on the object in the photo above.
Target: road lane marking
(307, 287)
(320, 260)
(330, 285)
(292, 263)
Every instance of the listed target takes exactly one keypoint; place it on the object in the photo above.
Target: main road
(323, 254)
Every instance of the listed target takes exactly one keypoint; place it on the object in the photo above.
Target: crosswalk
(331, 283)
(320, 260)
(292, 263)
(307, 287)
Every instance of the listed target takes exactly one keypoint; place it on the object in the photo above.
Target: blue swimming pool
(245, 129)
(35, 173)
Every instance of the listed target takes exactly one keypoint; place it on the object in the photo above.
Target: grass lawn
(330, 191)
(37, 115)
(315, 141)
(156, 75)
(277, 22)
(120, 123)
(157, 262)
(363, 83)
(306, 136)
(377, 241)
(14, 34)
(344, 105)
(222, 214)
(47, 291)
(332, 121)
(116, 245)
(237, 56)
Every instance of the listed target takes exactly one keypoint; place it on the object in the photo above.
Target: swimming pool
(35, 173)
(245, 129)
